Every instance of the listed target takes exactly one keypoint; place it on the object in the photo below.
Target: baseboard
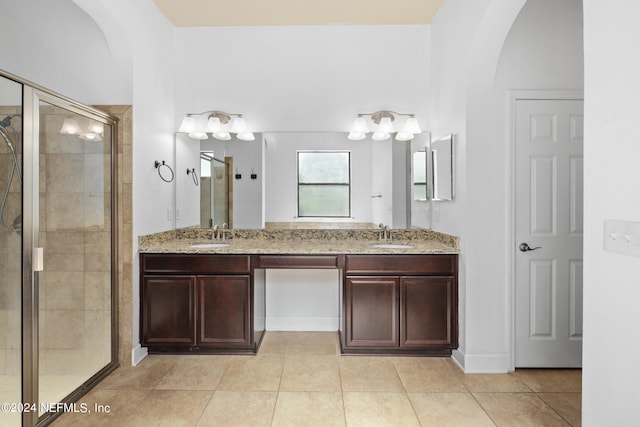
(137, 354)
(482, 363)
(458, 357)
(302, 323)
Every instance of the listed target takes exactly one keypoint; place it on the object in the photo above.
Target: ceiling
(207, 13)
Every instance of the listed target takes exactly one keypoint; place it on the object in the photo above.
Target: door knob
(525, 247)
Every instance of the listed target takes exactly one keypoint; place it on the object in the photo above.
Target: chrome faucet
(224, 230)
(385, 232)
(214, 233)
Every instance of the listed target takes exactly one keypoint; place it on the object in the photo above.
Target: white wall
(544, 49)
(313, 78)
(150, 40)
(611, 293)
(469, 37)
(187, 194)
(57, 45)
(302, 300)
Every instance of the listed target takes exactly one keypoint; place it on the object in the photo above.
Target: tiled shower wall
(125, 229)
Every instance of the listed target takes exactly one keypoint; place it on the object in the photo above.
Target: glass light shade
(95, 127)
(239, 126)
(187, 125)
(404, 136)
(246, 136)
(412, 126)
(70, 127)
(359, 126)
(90, 136)
(198, 135)
(222, 136)
(386, 126)
(356, 136)
(380, 136)
(213, 125)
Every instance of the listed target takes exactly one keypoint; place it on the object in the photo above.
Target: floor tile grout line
(215, 389)
(406, 392)
(275, 404)
(336, 344)
(344, 405)
(204, 409)
(553, 409)
(483, 408)
(478, 402)
(415, 412)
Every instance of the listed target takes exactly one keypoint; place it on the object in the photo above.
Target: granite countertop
(301, 242)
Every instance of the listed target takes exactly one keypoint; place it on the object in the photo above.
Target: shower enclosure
(57, 251)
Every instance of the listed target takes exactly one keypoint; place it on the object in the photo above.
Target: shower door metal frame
(32, 95)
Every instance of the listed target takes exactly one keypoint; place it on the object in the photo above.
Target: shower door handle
(38, 259)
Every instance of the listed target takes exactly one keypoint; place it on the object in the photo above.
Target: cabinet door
(427, 311)
(371, 311)
(168, 311)
(224, 316)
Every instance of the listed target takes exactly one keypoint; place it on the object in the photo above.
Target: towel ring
(159, 165)
(192, 171)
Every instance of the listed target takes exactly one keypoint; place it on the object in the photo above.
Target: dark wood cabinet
(427, 312)
(168, 311)
(197, 303)
(224, 318)
(371, 311)
(408, 306)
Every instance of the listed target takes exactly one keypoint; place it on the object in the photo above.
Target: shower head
(17, 224)
(6, 122)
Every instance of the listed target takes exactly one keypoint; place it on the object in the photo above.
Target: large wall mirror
(262, 183)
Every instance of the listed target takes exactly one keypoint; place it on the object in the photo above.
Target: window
(420, 175)
(324, 184)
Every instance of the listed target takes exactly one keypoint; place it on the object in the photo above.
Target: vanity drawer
(189, 263)
(401, 264)
(297, 261)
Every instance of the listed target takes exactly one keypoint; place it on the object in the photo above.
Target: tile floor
(299, 379)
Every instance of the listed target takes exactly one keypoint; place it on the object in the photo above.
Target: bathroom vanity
(394, 299)
(197, 302)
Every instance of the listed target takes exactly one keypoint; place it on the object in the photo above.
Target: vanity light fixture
(86, 129)
(217, 124)
(384, 126)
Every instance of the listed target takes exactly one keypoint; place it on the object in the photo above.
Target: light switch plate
(622, 237)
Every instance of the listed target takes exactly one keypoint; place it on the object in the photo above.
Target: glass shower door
(74, 229)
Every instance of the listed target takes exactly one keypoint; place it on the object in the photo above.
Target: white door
(549, 229)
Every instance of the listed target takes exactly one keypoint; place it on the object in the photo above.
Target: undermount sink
(392, 246)
(208, 245)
